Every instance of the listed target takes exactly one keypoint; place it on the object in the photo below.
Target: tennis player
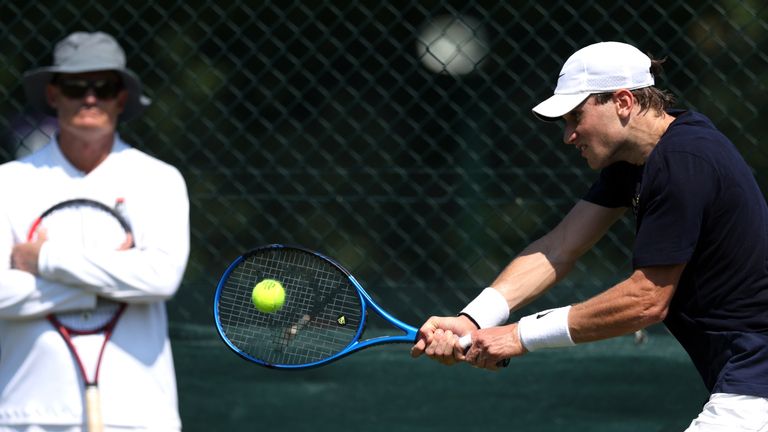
(89, 90)
(700, 258)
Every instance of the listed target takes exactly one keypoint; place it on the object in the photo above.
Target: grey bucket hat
(86, 52)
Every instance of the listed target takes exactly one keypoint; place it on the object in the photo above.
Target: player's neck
(650, 131)
(85, 152)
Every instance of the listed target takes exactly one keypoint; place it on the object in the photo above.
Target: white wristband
(546, 329)
(488, 309)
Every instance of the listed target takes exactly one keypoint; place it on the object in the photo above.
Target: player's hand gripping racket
(466, 341)
(86, 224)
(322, 318)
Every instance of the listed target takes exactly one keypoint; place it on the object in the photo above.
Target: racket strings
(90, 320)
(321, 315)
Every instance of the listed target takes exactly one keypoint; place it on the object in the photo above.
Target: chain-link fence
(394, 136)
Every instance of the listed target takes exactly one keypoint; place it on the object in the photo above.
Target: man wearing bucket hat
(90, 91)
(700, 258)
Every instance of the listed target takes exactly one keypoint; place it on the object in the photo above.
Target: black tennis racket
(323, 317)
(87, 224)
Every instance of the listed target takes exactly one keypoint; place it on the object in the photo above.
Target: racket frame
(85, 202)
(92, 395)
(367, 303)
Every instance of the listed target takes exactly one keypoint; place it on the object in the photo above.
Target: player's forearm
(524, 279)
(630, 305)
(550, 258)
(24, 296)
(542, 264)
(131, 275)
(535, 270)
(527, 277)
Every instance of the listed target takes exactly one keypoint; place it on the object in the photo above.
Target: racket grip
(93, 409)
(466, 341)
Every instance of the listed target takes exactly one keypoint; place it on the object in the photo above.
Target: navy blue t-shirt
(697, 202)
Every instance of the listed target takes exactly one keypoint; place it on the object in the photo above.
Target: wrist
(546, 329)
(470, 321)
(488, 309)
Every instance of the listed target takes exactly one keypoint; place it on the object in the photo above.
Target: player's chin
(594, 163)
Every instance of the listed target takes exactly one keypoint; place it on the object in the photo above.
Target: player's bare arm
(550, 258)
(536, 269)
(633, 304)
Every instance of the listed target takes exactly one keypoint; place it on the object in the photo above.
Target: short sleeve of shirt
(677, 187)
(616, 186)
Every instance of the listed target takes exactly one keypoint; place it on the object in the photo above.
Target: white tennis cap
(597, 68)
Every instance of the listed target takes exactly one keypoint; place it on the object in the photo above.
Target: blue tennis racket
(322, 318)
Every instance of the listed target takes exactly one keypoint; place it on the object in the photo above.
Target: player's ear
(624, 101)
(51, 95)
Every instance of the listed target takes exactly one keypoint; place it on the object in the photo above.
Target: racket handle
(93, 409)
(466, 341)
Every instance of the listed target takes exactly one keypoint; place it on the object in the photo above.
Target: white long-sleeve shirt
(39, 382)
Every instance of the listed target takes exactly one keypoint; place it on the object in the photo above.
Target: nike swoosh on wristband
(543, 314)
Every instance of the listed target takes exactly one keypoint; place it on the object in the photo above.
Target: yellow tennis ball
(268, 296)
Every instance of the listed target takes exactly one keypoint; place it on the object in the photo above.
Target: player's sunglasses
(77, 88)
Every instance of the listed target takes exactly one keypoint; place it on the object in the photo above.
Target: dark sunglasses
(78, 88)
